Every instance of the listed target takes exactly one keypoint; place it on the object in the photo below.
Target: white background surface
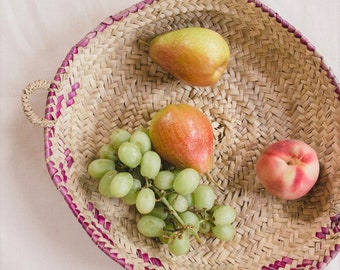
(38, 231)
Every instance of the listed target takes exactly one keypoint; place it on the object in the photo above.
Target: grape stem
(211, 179)
(175, 214)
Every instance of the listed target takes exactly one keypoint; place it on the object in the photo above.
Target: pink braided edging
(58, 174)
(334, 220)
(57, 171)
(290, 28)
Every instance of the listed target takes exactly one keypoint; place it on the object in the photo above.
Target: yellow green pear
(196, 55)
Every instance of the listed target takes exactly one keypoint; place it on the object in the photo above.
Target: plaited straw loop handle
(27, 107)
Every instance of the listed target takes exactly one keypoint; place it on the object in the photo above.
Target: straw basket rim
(98, 227)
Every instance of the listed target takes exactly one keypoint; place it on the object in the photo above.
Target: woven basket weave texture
(276, 86)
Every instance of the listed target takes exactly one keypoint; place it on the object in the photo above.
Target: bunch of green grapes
(173, 204)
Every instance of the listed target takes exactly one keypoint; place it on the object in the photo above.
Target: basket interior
(274, 88)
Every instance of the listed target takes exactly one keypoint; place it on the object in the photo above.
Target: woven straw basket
(276, 86)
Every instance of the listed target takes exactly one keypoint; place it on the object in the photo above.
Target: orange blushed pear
(196, 55)
(183, 136)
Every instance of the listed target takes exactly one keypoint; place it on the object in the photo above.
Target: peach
(288, 169)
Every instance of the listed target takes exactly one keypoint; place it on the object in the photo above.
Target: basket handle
(27, 107)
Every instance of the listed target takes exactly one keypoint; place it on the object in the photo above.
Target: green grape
(190, 218)
(164, 238)
(190, 199)
(204, 197)
(98, 167)
(143, 129)
(179, 244)
(150, 165)
(224, 214)
(107, 152)
(151, 226)
(186, 181)
(164, 180)
(170, 224)
(129, 154)
(224, 232)
(176, 171)
(121, 184)
(142, 140)
(215, 207)
(178, 202)
(145, 201)
(119, 136)
(159, 211)
(130, 198)
(105, 182)
(205, 226)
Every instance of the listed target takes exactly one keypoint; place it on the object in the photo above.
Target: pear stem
(212, 180)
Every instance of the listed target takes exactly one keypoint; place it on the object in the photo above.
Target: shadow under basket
(276, 86)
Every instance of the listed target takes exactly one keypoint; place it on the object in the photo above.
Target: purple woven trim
(101, 244)
(290, 28)
(59, 177)
(334, 226)
(57, 171)
(334, 221)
